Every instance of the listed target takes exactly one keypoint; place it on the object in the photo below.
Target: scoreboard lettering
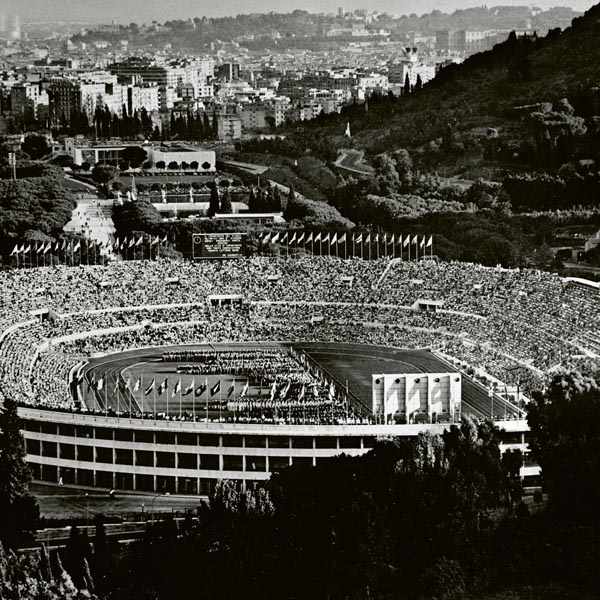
(218, 245)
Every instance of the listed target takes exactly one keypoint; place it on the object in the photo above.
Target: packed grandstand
(515, 325)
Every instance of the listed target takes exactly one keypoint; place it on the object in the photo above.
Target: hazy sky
(161, 10)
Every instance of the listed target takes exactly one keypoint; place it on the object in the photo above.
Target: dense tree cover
(40, 577)
(134, 156)
(33, 204)
(314, 214)
(349, 528)
(35, 146)
(18, 508)
(565, 440)
(140, 215)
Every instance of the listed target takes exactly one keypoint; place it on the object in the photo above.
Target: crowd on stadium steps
(500, 317)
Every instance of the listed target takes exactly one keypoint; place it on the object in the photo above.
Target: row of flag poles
(90, 249)
(365, 245)
(128, 394)
(39, 250)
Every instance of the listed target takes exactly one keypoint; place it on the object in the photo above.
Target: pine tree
(226, 207)
(214, 204)
(18, 509)
(419, 83)
(407, 85)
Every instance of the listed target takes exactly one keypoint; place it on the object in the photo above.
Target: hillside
(449, 116)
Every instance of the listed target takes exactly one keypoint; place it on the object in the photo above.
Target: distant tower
(347, 132)
(340, 11)
(3, 21)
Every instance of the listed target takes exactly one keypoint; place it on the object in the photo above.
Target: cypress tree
(226, 207)
(18, 508)
(214, 204)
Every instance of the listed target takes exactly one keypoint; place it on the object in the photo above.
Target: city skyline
(148, 10)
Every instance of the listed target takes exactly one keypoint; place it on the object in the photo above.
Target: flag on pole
(283, 238)
(302, 392)
(176, 388)
(332, 391)
(309, 238)
(368, 239)
(100, 383)
(77, 246)
(139, 242)
(189, 389)
(266, 239)
(245, 389)
(422, 243)
(137, 385)
(300, 238)
(215, 388)
(317, 237)
(131, 242)
(116, 244)
(342, 239)
(415, 240)
(334, 239)
(163, 386)
(285, 390)
(406, 241)
(15, 250)
(293, 238)
(273, 390)
(274, 238)
(200, 390)
(155, 241)
(231, 389)
(358, 239)
(429, 242)
(150, 387)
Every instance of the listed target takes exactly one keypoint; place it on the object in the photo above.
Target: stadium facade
(189, 458)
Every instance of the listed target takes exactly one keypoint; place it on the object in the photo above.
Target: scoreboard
(218, 245)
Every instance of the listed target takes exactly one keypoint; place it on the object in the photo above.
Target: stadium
(167, 376)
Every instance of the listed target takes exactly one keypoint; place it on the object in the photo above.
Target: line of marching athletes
(305, 393)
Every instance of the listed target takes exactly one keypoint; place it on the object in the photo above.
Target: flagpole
(154, 400)
(118, 399)
(180, 398)
(142, 389)
(207, 392)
